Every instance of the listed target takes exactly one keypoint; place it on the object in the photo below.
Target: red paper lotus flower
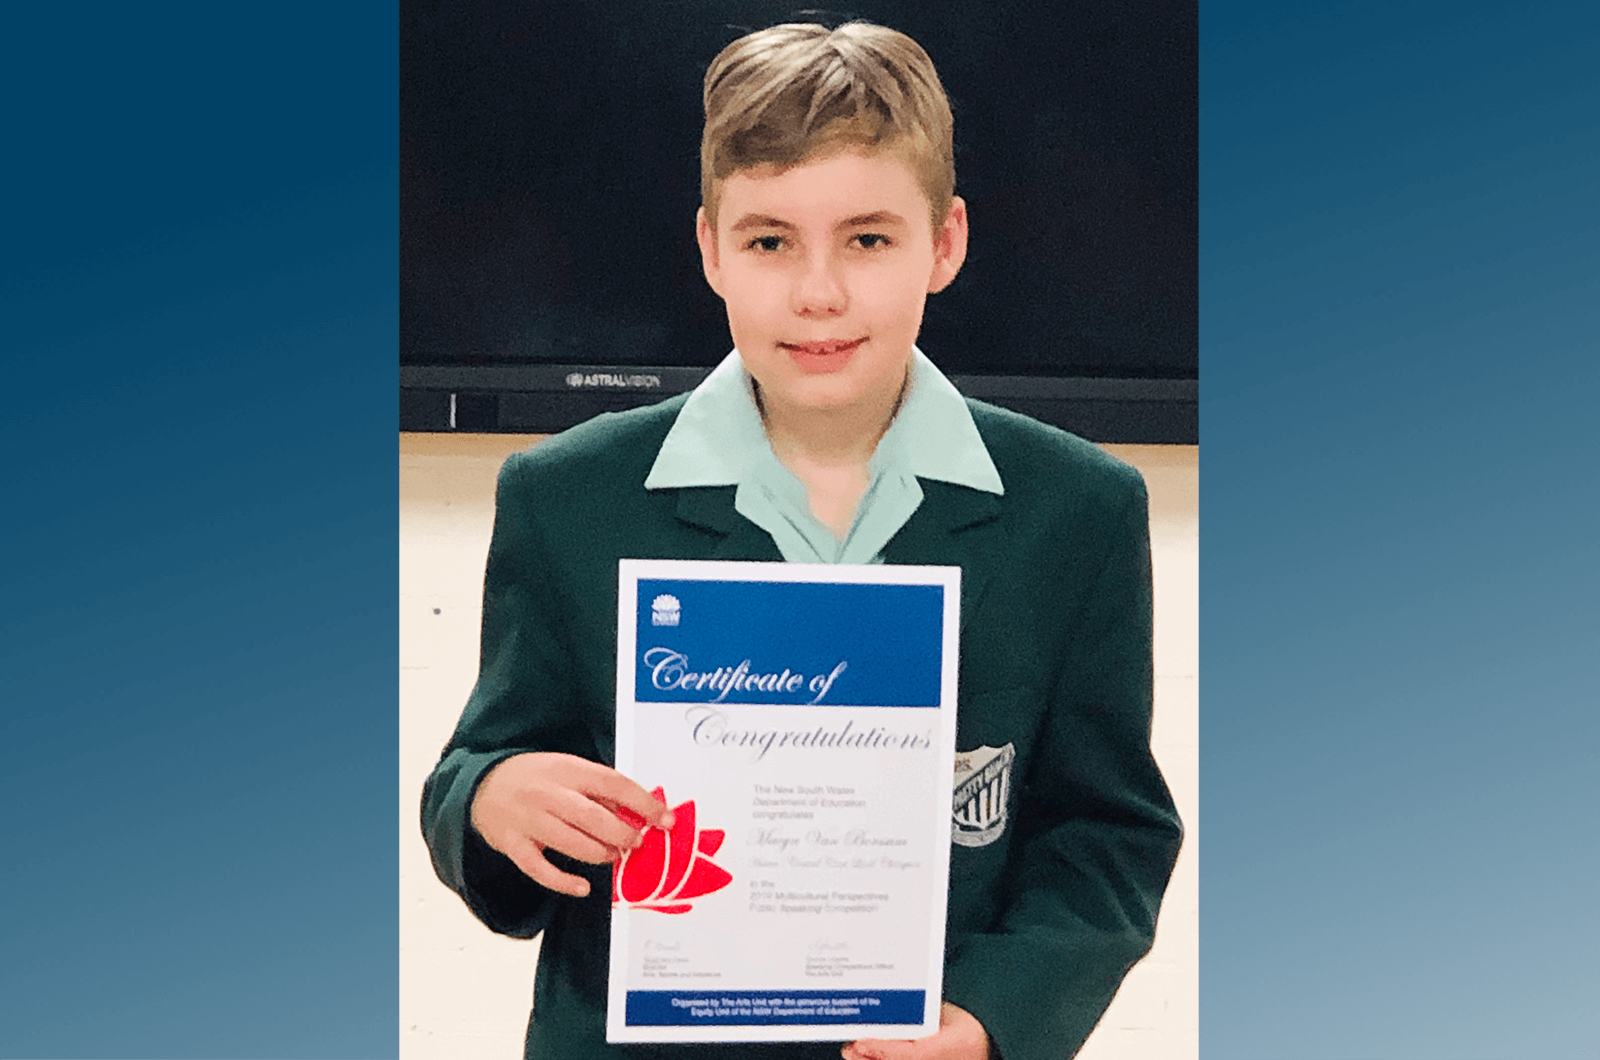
(669, 868)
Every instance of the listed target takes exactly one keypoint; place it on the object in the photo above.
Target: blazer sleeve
(524, 700)
(1097, 832)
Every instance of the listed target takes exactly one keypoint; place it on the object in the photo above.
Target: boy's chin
(822, 395)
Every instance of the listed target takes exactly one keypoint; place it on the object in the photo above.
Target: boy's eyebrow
(756, 220)
(885, 218)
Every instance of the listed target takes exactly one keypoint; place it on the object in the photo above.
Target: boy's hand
(960, 1037)
(533, 802)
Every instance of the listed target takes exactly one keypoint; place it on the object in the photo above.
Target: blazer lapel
(954, 526)
(711, 508)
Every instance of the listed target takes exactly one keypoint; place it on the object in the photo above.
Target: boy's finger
(887, 1049)
(622, 794)
(881, 1049)
(556, 834)
(601, 822)
(531, 860)
(631, 819)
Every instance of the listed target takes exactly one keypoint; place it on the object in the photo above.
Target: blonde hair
(783, 95)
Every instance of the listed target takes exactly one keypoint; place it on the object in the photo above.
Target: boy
(828, 216)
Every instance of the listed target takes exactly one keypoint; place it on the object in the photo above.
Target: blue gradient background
(197, 737)
(1400, 606)
(1399, 276)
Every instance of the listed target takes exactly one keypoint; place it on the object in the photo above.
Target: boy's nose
(818, 289)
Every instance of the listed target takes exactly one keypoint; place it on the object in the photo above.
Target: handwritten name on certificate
(800, 721)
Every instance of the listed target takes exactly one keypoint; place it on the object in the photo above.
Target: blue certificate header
(825, 643)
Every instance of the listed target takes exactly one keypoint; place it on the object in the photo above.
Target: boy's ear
(707, 238)
(949, 246)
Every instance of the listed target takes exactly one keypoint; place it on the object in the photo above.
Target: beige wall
(465, 993)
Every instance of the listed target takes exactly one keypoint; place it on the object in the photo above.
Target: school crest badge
(982, 790)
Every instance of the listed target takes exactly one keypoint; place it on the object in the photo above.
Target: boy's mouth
(822, 356)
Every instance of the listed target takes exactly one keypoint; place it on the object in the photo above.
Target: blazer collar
(711, 508)
(954, 526)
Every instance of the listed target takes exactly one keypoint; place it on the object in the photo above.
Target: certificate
(800, 721)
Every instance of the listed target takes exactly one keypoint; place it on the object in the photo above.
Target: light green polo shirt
(719, 440)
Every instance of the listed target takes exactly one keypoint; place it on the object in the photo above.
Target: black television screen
(550, 177)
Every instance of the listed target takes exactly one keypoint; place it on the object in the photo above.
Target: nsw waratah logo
(670, 869)
(664, 610)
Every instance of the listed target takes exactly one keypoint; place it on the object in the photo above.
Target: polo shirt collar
(718, 436)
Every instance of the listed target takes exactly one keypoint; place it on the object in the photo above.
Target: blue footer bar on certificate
(733, 1008)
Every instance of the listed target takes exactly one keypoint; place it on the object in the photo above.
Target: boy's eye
(769, 244)
(872, 240)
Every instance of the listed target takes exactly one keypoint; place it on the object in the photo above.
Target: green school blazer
(1047, 911)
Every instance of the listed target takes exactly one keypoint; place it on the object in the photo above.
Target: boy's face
(824, 268)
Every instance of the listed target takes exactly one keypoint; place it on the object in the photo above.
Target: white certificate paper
(800, 720)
